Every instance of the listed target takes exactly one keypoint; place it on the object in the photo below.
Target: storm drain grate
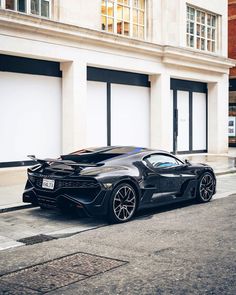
(56, 273)
(36, 239)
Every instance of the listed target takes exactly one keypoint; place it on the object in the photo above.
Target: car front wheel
(123, 203)
(206, 187)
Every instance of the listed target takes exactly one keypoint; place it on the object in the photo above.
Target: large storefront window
(201, 31)
(36, 7)
(124, 17)
(232, 113)
(232, 124)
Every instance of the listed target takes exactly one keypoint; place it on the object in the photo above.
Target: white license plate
(48, 183)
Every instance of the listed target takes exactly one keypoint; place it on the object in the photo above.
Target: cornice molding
(15, 20)
(191, 58)
(169, 54)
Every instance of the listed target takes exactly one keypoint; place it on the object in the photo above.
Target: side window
(162, 161)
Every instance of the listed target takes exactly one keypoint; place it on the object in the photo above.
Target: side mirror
(186, 161)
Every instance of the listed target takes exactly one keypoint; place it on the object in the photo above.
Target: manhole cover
(36, 239)
(57, 273)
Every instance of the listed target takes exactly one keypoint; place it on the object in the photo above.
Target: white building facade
(75, 74)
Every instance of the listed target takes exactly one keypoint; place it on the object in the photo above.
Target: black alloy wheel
(122, 204)
(206, 188)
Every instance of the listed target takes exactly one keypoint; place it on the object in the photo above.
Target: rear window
(111, 150)
(125, 150)
(96, 155)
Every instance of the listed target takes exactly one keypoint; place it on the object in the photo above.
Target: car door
(165, 176)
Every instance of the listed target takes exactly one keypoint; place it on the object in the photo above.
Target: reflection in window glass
(110, 25)
(110, 9)
(126, 14)
(198, 30)
(141, 17)
(208, 33)
(119, 27)
(141, 33)
(10, 4)
(202, 44)
(104, 23)
(135, 31)
(21, 6)
(125, 17)
(126, 29)
(192, 28)
(198, 43)
(135, 16)
(141, 4)
(191, 41)
(201, 30)
(119, 12)
(103, 7)
(35, 7)
(45, 8)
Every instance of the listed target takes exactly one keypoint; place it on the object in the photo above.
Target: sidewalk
(222, 164)
(12, 180)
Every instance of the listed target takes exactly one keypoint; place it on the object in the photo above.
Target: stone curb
(14, 207)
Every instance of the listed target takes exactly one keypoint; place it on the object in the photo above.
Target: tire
(206, 188)
(122, 204)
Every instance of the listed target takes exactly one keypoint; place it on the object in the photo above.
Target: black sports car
(117, 181)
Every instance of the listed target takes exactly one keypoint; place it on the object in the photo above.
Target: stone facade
(73, 38)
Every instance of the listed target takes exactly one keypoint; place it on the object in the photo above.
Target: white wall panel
(199, 121)
(183, 121)
(30, 116)
(130, 115)
(96, 114)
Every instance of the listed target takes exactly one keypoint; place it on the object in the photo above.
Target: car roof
(111, 153)
(119, 150)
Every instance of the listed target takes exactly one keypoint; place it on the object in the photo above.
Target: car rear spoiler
(70, 163)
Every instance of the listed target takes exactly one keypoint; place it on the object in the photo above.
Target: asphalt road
(184, 249)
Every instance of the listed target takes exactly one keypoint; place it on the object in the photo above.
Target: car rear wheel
(206, 188)
(123, 203)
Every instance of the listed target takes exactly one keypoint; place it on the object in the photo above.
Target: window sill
(24, 13)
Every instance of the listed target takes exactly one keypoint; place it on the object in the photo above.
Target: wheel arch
(201, 172)
(133, 183)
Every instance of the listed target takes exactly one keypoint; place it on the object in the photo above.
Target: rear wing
(70, 163)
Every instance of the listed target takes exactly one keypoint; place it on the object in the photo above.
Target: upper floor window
(36, 7)
(201, 30)
(124, 17)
